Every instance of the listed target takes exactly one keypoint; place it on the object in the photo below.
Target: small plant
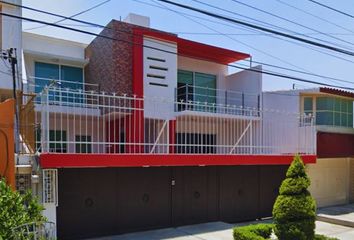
(294, 211)
(323, 237)
(17, 209)
(253, 232)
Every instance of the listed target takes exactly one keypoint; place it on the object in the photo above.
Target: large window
(62, 76)
(196, 87)
(330, 111)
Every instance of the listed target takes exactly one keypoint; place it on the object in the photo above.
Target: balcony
(110, 124)
(209, 100)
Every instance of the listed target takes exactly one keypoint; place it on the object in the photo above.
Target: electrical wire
(254, 31)
(332, 8)
(288, 20)
(315, 16)
(105, 27)
(275, 74)
(270, 55)
(232, 20)
(72, 16)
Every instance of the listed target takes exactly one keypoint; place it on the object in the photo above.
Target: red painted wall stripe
(53, 160)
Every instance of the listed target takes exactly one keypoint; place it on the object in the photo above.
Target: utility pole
(11, 56)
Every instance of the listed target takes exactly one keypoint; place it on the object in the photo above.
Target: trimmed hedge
(294, 210)
(323, 237)
(260, 231)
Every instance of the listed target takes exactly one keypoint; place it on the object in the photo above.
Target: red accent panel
(52, 160)
(193, 49)
(172, 135)
(334, 145)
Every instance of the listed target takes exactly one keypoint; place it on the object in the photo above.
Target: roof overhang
(194, 49)
(337, 92)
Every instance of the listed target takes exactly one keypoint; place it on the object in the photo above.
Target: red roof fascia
(197, 50)
(57, 160)
(337, 92)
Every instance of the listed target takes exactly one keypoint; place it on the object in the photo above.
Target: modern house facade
(143, 129)
(331, 111)
(159, 134)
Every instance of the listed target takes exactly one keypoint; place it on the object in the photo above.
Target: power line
(303, 72)
(332, 8)
(228, 19)
(72, 16)
(275, 74)
(272, 25)
(315, 16)
(288, 20)
(105, 27)
(254, 31)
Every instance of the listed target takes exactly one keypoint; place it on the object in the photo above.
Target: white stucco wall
(155, 87)
(11, 38)
(38, 48)
(247, 82)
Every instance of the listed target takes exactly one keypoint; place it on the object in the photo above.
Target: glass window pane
(205, 87)
(308, 103)
(324, 118)
(324, 103)
(344, 120)
(73, 75)
(337, 118)
(337, 103)
(344, 106)
(185, 77)
(44, 74)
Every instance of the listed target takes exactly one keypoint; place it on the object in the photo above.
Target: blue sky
(263, 48)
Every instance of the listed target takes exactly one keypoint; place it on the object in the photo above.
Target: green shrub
(253, 232)
(322, 237)
(16, 209)
(294, 211)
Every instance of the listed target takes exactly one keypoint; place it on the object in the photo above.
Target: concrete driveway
(219, 231)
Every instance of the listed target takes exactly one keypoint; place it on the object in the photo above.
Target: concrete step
(340, 215)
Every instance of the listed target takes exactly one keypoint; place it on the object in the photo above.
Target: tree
(17, 209)
(294, 211)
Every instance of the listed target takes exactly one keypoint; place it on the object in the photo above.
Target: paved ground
(343, 215)
(220, 231)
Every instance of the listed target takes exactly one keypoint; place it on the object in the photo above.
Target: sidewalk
(340, 215)
(220, 231)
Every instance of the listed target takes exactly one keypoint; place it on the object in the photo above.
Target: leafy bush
(16, 209)
(253, 232)
(323, 237)
(294, 211)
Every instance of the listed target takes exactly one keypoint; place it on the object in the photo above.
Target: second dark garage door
(97, 202)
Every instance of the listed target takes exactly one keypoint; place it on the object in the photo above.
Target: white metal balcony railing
(91, 122)
(37, 84)
(195, 98)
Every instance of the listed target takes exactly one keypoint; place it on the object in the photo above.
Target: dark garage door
(107, 201)
(239, 195)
